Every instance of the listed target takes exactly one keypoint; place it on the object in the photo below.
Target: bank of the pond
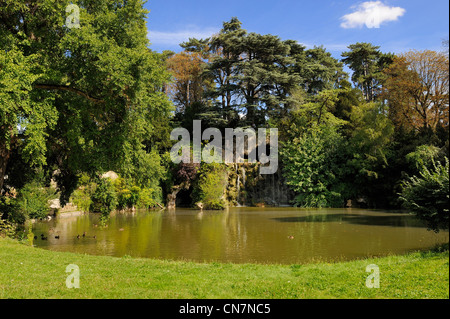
(27, 272)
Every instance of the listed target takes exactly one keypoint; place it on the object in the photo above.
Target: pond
(241, 235)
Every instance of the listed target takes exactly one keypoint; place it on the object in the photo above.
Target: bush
(33, 200)
(129, 195)
(104, 199)
(424, 155)
(9, 209)
(7, 228)
(427, 196)
(210, 186)
(128, 198)
(81, 198)
(146, 198)
(310, 168)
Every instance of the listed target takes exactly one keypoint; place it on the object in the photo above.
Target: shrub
(130, 195)
(427, 196)
(123, 197)
(33, 200)
(210, 186)
(146, 198)
(104, 199)
(81, 197)
(9, 208)
(310, 168)
(128, 198)
(424, 155)
(7, 228)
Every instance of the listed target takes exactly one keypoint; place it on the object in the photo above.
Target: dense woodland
(78, 102)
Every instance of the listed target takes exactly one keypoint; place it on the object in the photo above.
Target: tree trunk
(4, 157)
(5, 153)
(172, 197)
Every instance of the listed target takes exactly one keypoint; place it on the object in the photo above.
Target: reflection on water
(241, 235)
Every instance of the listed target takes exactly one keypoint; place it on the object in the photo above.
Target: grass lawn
(27, 272)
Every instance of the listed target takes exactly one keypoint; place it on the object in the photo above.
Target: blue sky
(395, 25)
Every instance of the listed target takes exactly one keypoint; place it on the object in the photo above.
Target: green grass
(27, 272)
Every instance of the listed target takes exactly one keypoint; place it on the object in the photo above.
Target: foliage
(85, 99)
(33, 200)
(423, 156)
(427, 196)
(128, 198)
(417, 90)
(148, 198)
(96, 98)
(81, 197)
(131, 196)
(309, 168)
(256, 76)
(367, 63)
(210, 186)
(369, 154)
(189, 85)
(186, 172)
(104, 199)
(7, 228)
(10, 210)
(371, 138)
(25, 115)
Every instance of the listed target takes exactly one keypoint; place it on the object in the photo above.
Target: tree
(417, 90)
(210, 186)
(319, 70)
(369, 151)
(257, 77)
(188, 83)
(104, 199)
(311, 153)
(224, 50)
(347, 99)
(80, 99)
(25, 114)
(309, 167)
(427, 196)
(445, 46)
(367, 63)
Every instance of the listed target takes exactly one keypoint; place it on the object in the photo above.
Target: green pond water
(241, 235)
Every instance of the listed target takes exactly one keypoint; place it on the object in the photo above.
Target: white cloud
(177, 37)
(371, 14)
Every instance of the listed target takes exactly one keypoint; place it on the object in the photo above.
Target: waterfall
(270, 189)
(238, 186)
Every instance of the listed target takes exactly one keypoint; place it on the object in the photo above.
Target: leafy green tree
(348, 98)
(370, 151)
(257, 77)
(311, 153)
(318, 70)
(309, 168)
(209, 188)
(427, 196)
(33, 200)
(85, 99)
(367, 63)
(104, 199)
(372, 135)
(26, 115)
(423, 156)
